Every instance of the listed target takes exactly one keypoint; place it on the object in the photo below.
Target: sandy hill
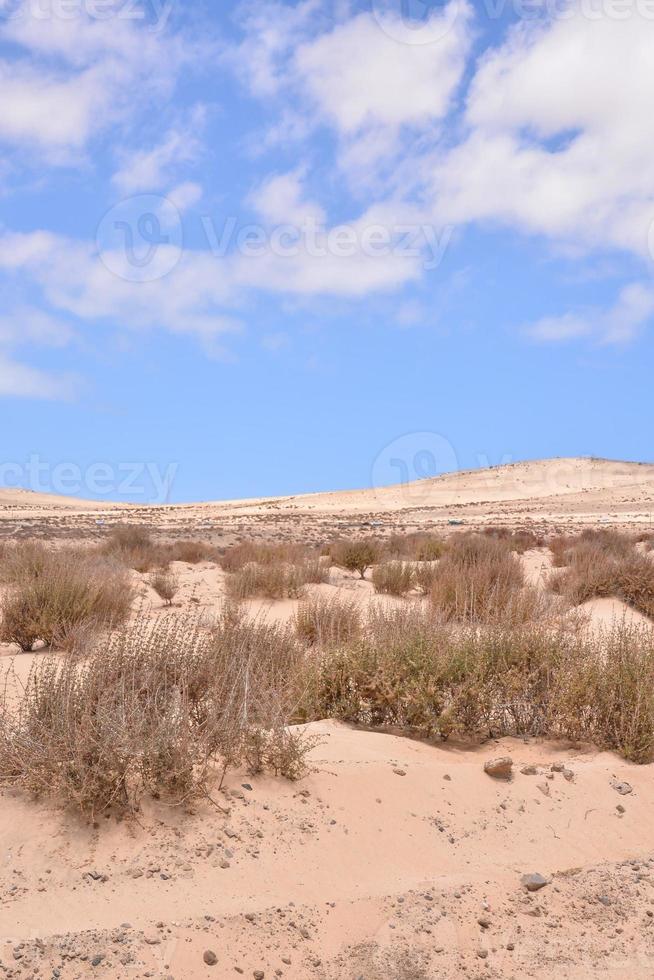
(564, 491)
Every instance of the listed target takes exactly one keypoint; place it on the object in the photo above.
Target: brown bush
(327, 621)
(132, 545)
(605, 540)
(355, 556)
(597, 569)
(520, 540)
(480, 580)
(160, 708)
(59, 597)
(418, 546)
(165, 584)
(275, 581)
(393, 577)
(412, 672)
(192, 552)
(234, 558)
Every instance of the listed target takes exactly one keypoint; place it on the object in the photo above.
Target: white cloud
(29, 325)
(71, 78)
(361, 78)
(20, 380)
(280, 199)
(152, 169)
(619, 324)
(561, 135)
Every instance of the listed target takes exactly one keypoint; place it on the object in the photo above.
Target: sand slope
(375, 865)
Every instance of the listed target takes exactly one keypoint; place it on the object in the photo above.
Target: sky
(267, 248)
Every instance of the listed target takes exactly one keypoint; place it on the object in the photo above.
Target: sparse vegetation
(605, 564)
(165, 584)
(479, 580)
(355, 556)
(59, 596)
(156, 709)
(279, 580)
(328, 621)
(393, 577)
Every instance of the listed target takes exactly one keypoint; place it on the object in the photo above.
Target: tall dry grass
(161, 709)
(276, 580)
(605, 565)
(393, 577)
(328, 621)
(480, 580)
(61, 596)
(412, 672)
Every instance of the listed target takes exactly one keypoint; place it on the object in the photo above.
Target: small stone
(209, 957)
(622, 788)
(620, 808)
(499, 768)
(568, 774)
(484, 921)
(399, 772)
(529, 771)
(557, 767)
(482, 954)
(447, 777)
(258, 975)
(534, 882)
(97, 959)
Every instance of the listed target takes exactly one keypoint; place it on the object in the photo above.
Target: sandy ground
(542, 494)
(393, 859)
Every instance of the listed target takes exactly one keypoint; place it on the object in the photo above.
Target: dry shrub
(192, 552)
(417, 546)
(237, 556)
(275, 581)
(327, 621)
(60, 597)
(424, 576)
(480, 580)
(520, 540)
(412, 672)
(159, 709)
(393, 578)
(355, 556)
(132, 545)
(165, 583)
(594, 569)
(606, 541)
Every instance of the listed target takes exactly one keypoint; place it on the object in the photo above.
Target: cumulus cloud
(619, 324)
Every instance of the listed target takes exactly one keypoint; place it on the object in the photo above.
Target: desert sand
(393, 859)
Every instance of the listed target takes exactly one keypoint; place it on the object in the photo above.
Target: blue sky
(283, 247)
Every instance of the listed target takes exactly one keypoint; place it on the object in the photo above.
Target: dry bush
(234, 558)
(607, 541)
(165, 583)
(595, 568)
(417, 546)
(61, 597)
(480, 580)
(192, 552)
(158, 708)
(327, 621)
(520, 540)
(275, 581)
(355, 556)
(393, 578)
(424, 576)
(412, 672)
(133, 546)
